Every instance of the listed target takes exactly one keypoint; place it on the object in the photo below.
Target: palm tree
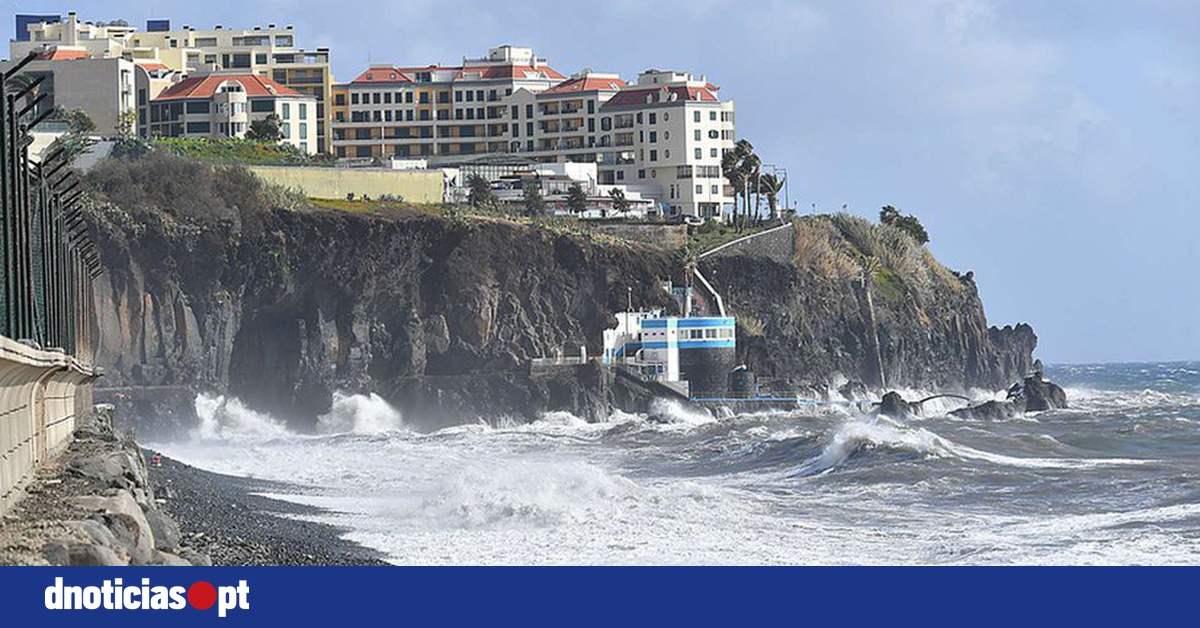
(619, 203)
(731, 168)
(772, 184)
(688, 258)
(752, 169)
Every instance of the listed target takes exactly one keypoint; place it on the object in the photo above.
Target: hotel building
(662, 137)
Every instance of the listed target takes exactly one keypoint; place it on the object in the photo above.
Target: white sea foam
(227, 418)
(359, 414)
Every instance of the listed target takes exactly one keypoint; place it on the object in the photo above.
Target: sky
(1051, 147)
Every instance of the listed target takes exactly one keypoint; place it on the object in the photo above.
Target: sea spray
(359, 414)
(222, 418)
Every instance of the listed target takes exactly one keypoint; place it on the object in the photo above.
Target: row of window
(722, 333)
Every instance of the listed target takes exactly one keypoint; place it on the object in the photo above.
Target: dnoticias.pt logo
(114, 595)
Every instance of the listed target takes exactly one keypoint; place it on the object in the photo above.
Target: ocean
(1113, 480)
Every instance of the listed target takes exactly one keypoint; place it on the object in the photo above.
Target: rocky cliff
(211, 286)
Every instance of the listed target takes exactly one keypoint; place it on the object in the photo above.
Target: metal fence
(49, 262)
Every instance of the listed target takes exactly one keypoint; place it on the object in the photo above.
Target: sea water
(1113, 480)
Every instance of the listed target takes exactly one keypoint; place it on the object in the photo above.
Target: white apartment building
(223, 105)
(268, 51)
(662, 137)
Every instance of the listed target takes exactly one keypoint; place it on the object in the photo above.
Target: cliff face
(438, 313)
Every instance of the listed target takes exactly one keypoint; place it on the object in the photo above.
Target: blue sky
(1051, 147)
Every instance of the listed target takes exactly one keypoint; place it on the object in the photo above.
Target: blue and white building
(692, 354)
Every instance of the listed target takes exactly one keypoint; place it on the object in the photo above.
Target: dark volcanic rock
(989, 411)
(1036, 394)
(439, 314)
(895, 406)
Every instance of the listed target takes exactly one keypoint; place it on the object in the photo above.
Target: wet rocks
(1036, 394)
(896, 407)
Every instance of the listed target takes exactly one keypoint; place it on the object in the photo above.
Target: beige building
(224, 104)
(435, 110)
(269, 52)
(662, 137)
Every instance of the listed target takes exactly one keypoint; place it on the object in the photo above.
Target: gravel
(221, 516)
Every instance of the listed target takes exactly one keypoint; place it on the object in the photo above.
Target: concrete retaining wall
(414, 186)
(664, 236)
(42, 395)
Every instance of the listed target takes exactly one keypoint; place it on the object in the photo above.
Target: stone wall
(778, 245)
(663, 236)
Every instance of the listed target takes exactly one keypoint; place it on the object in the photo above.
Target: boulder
(895, 406)
(989, 411)
(166, 559)
(81, 555)
(125, 519)
(1037, 394)
(166, 531)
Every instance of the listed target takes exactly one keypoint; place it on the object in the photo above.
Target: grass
(235, 151)
(710, 235)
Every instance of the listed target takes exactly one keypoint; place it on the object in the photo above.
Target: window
(696, 116)
(424, 98)
(713, 134)
(284, 41)
(303, 110)
(387, 98)
(620, 175)
(712, 153)
(516, 112)
(605, 124)
(286, 130)
(444, 98)
(262, 105)
(699, 190)
(639, 118)
(654, 137)
(716, 190)
(516, 130)
(697, 135)
(199, 127)
(260, 59)
(457, 96)
(528, 111)
(339, 100)
(303, 130)
(654, 118)
(198, 107)
(354, 99)
(642, 174)
(667, 136)
(712, 115)
(206, 42)
(667, 154)
(699, 153)
(408, 97)
(376, 98)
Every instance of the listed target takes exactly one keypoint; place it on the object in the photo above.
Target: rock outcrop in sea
(211, 287)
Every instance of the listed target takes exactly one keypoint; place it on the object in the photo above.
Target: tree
(126, 125)
(268, 129)
(688, 258)
(731, 168)
(481, 195)
(772, 185)
(77, 120)
(619, 202)
(576, 199)
(535, 203)
(741, 168)
(909, 224)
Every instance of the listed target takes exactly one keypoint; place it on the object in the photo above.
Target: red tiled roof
(206, 86)
(152, 67)
(383, 75)
(636, 97)
(586, 84)
(59, 54)
(512, 71)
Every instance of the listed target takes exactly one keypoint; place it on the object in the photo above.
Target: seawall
(43, 396)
